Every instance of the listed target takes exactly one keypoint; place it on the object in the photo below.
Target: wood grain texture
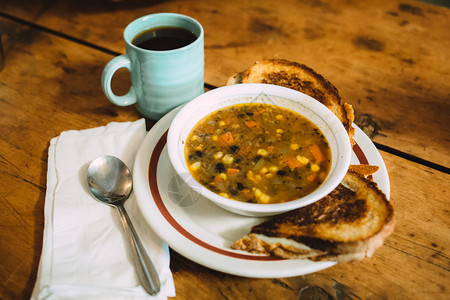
(389, 59)
(48, 85)
(414, 262)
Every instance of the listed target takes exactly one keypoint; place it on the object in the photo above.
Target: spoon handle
(145, 269)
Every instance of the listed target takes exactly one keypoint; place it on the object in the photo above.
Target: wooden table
(389, 59)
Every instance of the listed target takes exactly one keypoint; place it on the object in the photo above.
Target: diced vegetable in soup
(258, 153)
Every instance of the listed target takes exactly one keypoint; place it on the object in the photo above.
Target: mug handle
(122, 61)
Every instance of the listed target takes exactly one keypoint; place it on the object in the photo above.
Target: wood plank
(50, 87)
(414, 261)
(388, 59)
(27, 9)
(50, 84)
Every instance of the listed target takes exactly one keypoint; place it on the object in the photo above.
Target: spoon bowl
(110, 182)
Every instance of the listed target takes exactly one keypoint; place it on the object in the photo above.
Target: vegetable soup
(258, 153)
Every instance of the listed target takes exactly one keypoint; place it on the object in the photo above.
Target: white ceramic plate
(202, 231)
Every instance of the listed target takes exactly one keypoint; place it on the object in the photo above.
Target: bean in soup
(258, 153)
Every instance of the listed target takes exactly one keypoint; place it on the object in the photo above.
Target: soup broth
(258, 153)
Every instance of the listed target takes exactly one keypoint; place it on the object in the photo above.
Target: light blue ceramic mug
(161, 79)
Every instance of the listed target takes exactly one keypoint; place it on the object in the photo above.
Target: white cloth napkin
(85, 253)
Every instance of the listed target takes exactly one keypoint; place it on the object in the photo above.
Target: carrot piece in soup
(244, 150)
(228, 121)
(231, 171)
(317, 153)
(227, 139)
(251, 123)
(259, 112)
(312, 177)
(292, 162)
(245, 191)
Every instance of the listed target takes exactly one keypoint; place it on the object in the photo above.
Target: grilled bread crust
(301, 78)
(364, 170)
(348, 224)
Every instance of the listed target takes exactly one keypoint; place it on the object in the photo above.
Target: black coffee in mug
(164, 38)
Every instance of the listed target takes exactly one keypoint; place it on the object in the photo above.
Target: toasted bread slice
(348, 224)
(364, 170)
(301, 78)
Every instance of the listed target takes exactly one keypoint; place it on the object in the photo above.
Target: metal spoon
(111, 183)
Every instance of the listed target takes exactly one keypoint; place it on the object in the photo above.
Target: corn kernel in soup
(258, 153)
